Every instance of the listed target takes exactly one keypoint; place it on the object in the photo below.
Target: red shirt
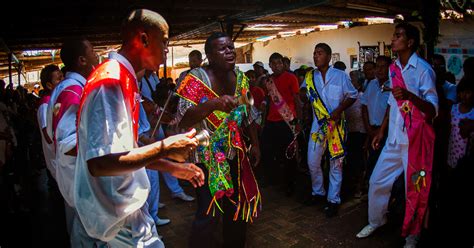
(287, 85)
(258, 95)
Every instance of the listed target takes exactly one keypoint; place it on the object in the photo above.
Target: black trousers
(204, 227)
(276, 137)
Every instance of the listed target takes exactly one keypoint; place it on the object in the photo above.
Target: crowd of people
(108, 131)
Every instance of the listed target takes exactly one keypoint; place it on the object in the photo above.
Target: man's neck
(323, 69)
(382, 81)
(404, 57)
(132, 57)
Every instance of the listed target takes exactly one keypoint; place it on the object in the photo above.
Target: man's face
(277, 66)
(321, 58)
(258, 69)
(92, 59)
(438, 65)
(194, 62)
(369, 71)
(381, 69)
(223, 53)
(156, 49)
(56, 77)
(400, 40)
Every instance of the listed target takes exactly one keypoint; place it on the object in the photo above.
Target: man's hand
(377, 139)
(225, 103)
(335, 116)
(401, 94)
(177, 147)
(189, 172)
(255, 155)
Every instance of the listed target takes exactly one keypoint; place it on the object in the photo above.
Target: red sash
(420, 159)
(109, 73)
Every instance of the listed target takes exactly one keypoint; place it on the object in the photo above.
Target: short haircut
(286, 60)
(385, 59)
(195, 53)
(468, 65)
(71, 50)
(142, 20)
(214, 36)
(412, 33)
(370, 63)
(275, 56)
(325, 47)
(46, 74)
(250, 73)
(340, 65)
(439, 57)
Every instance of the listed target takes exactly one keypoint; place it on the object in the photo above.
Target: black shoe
(314, 200)
(331, 209)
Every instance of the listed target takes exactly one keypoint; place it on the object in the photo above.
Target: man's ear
(410, 43)
(144, 39)
(82, 61)
(49, 85)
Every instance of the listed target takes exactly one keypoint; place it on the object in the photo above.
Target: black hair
(412, 33)
(340, 65)
(439, 57)
(214, 36)
(72, 49)
(195, 53)
(275, 56)
(141, 19)
(370, 63)
(468, 65)
(384, 58)
(325, 47)
(46, 74)
(286, 60)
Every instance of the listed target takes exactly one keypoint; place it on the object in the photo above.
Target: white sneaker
(162, 222)
(161, 205)
(411, 241)
(183, 197)
(366, 232)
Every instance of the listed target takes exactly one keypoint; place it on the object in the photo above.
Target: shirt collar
(124, 61)
(76, 76)
(413, 61)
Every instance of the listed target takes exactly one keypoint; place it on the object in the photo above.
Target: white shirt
(108, 203)
(48, 149)
(419, 79)
(65, 137)
(376, 101)
(335, 90)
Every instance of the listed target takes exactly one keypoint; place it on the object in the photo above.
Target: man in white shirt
(374, 104)
(111, 185)
(50, 76)
(420, 90)
(337, 93)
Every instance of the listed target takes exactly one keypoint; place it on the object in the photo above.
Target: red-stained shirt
(287, 85)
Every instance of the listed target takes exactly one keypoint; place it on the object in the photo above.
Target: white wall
(343, 41)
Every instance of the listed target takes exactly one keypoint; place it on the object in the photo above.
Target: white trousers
(315, 153)
(392, 162)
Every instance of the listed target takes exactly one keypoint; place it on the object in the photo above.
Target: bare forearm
(164, 165)
(117, 164)
(384, 125)
(426, 107)
(345, 104)
(196, 113)
(365, 117)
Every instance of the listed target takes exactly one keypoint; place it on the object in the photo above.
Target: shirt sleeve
(348, 88)
(294, 84)
(42, 114)
(364, 97)
(428, 89)
(107, 123)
